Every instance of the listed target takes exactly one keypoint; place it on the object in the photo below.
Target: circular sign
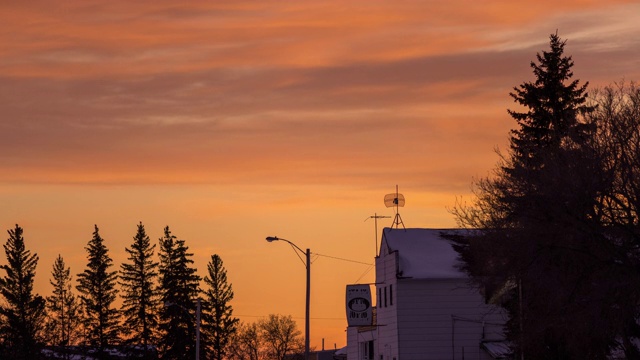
(358, 304)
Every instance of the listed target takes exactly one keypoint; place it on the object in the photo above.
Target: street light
(308, 266)
(198, 306)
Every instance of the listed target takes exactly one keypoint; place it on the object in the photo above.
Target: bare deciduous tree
(275, 337)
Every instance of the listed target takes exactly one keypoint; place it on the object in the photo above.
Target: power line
(343, 259)
(364, 273)
(293, 317)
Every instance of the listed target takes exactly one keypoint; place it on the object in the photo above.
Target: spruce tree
(179, 289)
(96, 286)
(554, 104)
(63, 308)
(22, 312)
(219, 323)
(539, 249)
(139, 293)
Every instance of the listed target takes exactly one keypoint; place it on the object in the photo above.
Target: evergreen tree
(22, 312)
(179, 289)
(137, 280)
(63, 308)
(96, 286)
(553, 107)
(540, 250)
(219, 323)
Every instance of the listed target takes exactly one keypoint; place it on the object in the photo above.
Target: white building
(425, 307)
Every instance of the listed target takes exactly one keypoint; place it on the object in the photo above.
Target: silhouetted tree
(618, 143)
(139, 293)
(63, 308)
(179, 289)
(22, 313)
(280, 336)
(96, 286)
(246, 343)
(541, 250)
(553, 110)
(218, 321)
(275, 337)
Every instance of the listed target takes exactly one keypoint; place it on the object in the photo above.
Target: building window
(379, 297)
(385, 296)
(391, 295)
(366, 350)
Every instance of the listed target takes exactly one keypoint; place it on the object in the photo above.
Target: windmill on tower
(395, 200)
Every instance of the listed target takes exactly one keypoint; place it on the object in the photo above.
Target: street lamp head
(272, 238)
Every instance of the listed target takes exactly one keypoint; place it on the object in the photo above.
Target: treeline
(557, 239)
(162, 301)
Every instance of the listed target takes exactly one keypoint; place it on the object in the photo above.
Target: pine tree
(553, 106)
(219, 323)
(23, 311)
(63, 308)
(179, 289)
(539, 250)
(96, 286)
(137, 281)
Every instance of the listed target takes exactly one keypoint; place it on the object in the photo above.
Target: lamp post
(308, 266)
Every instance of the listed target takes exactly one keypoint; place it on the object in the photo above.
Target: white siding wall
(387, 316)
(441, 317)
(352, 344)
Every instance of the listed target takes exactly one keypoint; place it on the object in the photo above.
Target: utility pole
(198, 309)
(306, 316)
(62, 339)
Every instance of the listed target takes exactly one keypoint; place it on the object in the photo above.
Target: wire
(363, 274)
(293, 317)
(298, 254)
(337, 258)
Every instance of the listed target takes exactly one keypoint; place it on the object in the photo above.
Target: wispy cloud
(104, 92)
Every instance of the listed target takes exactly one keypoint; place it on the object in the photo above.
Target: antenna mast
(395, 200)
(376, 217)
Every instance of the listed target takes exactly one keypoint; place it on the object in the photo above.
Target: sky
(231, 121)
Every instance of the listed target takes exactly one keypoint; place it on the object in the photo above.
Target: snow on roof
(341, 351)
(423, 253)
(497, 349)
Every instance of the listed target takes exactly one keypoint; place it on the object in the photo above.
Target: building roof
(423, 253)
(497, 349)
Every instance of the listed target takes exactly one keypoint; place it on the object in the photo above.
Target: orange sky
(234, 121)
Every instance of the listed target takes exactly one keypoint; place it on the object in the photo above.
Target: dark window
(367, 350)
(385, 296)
(391, 295)
(379, 297)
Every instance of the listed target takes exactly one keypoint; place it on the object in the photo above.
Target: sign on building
(359, 310)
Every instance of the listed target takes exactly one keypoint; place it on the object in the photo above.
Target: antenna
(395, 200)
(376, 217)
